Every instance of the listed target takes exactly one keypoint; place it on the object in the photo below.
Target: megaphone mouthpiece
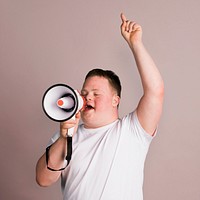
(66, 103)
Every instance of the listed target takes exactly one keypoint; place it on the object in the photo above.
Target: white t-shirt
(108, 162)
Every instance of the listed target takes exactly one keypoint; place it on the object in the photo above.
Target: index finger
(123, 17)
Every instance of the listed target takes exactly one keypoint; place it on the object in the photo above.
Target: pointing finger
(123, 18)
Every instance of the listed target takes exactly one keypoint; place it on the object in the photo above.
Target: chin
(86, 120)
(89, 123)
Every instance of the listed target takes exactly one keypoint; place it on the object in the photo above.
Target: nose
(88, 97)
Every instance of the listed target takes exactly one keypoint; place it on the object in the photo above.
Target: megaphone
(60, 103)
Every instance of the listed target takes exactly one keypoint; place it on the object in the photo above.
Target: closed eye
(83, 94)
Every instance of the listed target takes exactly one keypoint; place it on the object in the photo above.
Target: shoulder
(54, 138)
(130, 125)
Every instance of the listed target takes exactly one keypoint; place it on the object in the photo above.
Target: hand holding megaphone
(69, 126)
(61, 103)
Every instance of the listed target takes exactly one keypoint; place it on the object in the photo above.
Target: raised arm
(150, 105)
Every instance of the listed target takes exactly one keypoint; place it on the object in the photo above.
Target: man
(108, 153)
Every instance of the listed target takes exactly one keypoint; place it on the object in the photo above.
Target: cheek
(103, 104)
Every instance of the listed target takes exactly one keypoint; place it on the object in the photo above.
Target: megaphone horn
(60, 103)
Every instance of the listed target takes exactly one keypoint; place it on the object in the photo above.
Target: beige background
(43, 42)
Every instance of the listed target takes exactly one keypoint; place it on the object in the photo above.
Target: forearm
(151, 79)
(57, 153)
(150, 76)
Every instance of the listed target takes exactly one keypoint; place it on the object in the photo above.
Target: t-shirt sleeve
(135, 128)
(53, 138)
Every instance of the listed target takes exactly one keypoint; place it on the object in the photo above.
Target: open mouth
(89, 107)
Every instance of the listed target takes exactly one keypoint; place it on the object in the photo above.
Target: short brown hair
(109, 75)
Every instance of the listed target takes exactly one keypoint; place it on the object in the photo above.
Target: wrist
(136, 45)
(63, 133)
(63, 138)
(54, 164)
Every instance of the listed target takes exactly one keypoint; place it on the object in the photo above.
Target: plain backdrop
(43, 42)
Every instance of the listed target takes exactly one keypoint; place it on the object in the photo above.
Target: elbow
(156, 90)
(159, 93)
(41, 183)
(43, 176)
(45, 180)
(160, 90)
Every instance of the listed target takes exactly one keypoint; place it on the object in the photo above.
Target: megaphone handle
(69, 143)
(71, 130)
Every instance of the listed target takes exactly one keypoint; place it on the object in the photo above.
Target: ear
(116, 100)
